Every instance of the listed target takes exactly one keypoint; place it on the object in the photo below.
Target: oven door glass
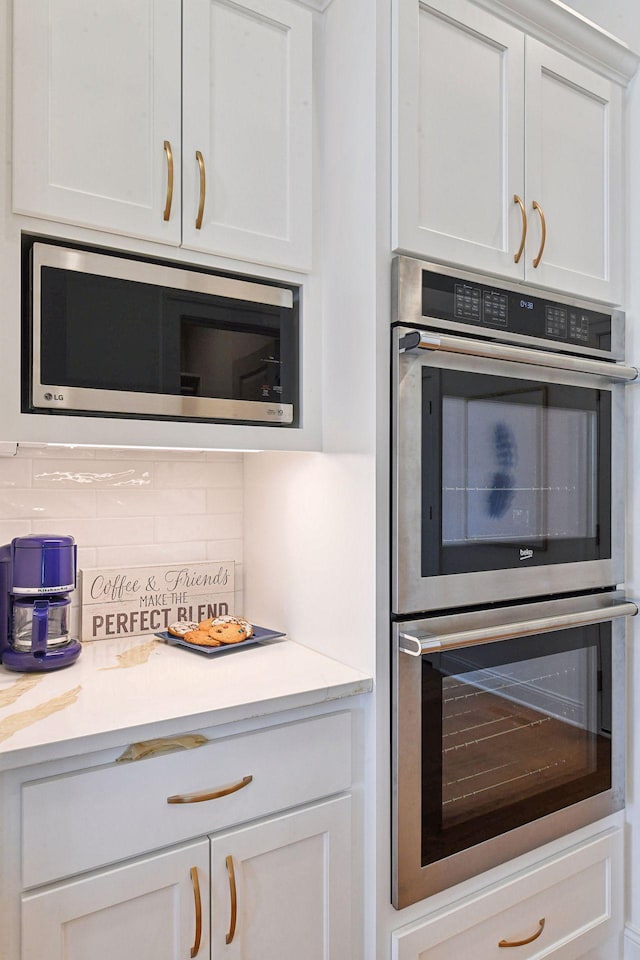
(513, 471)
(512, 731)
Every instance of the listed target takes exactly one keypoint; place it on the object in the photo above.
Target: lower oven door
(508, 732)
(508, 474)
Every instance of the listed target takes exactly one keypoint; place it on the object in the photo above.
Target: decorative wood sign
(138, 600)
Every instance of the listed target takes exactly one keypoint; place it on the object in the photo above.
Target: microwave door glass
(102, 333)
(106, 333)
(232, 364)
(228, 349)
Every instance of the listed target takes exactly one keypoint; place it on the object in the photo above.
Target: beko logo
(525, 554)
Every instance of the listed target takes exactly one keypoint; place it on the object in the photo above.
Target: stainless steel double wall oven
(508, 627)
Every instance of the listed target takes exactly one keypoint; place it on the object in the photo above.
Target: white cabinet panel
(129, 800)
(459, 134)
(112, 101)
(574, 172)
(562, 907)
(144, 910)
(247, 111)
(96, 94)
(289, 878)
(487, 117)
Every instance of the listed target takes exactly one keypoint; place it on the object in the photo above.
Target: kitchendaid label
(138, 600)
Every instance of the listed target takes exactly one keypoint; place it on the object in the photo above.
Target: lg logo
(54, 396)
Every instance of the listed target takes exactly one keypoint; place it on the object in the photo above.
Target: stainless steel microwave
(109, 335)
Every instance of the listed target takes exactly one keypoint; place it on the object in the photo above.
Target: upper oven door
(508, 476)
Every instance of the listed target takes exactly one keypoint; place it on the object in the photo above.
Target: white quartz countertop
(127, 689)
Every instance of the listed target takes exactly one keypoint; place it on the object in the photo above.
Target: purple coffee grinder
(37, 573)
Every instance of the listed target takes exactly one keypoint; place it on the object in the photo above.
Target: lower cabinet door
(156, 908)
(280, 889)
(563, 907)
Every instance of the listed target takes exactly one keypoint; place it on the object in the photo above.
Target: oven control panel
(454, 299)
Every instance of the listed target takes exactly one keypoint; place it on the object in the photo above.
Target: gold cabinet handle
(169, 198)
(210, 794)
(234, 899)
(195, 949)
(543, 224)
(521, 943)
(203, 189)
(523, 212)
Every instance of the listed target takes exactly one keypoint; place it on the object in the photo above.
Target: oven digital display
(479, 304)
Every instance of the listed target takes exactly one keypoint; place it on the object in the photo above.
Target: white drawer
(578, 895)
(84, 820)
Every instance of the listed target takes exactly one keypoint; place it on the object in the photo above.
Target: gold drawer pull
(234, 899)
(521, 943)
(523, 213)
(203, 189)
(169, 197)
(195, 949)
(543, 239)
(209, 794)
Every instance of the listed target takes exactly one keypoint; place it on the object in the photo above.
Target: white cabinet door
(96, 96)
(247, 130)
(561, 907)
(145, 910)
(459, 140)
(280, 889)
(574, 172)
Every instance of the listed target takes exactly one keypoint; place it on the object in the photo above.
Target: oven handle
(428, 643)
(415, 340)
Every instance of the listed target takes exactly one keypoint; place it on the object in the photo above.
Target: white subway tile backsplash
(157, 456)
(210, 475)
(13, 528)
(151, 553)
(43, 451)
(94, 474)
(225, 550)
(87, 558)
(127, 507)
(44, 504)
(97, 532)
(14, 473)
(150, 503)
(202, 527)
(225, 500)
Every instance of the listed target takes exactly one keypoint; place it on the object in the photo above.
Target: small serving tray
(259, 634)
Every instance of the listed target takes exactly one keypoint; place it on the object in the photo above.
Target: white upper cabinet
(187, 123)
(247, 130)
(96, 95)
(574, 172)
(501, 143)
(459, 134)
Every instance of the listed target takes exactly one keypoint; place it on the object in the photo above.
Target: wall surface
(127, 507)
